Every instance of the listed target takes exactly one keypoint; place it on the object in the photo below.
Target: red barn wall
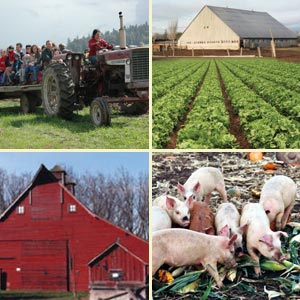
(86, 236)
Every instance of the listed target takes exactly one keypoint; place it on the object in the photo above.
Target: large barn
(48, 239)
(227, 28)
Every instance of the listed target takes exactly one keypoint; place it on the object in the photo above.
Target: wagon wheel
(100, 112)
(58, 91)
(28, 104)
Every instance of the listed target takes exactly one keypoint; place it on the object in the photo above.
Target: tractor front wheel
(100, 112)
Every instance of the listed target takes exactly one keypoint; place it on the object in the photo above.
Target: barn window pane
(20, 210)
(72, 208)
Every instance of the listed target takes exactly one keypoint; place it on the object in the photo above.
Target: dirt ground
(243, 179)
(290, 54)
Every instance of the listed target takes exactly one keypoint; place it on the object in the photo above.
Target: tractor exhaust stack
(122, 34)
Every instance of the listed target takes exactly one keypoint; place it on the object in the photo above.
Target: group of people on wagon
(17, 67)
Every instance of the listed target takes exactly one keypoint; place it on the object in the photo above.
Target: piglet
(227, 223)
(278, 197)
(178, 211)
(260, 238)
(181, 247)
(201, 184)
(202, 218)
(160, 219)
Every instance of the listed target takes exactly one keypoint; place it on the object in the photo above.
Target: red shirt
(94, 46)
(2, 63)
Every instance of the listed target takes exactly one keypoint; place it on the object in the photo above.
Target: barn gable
(227, 28)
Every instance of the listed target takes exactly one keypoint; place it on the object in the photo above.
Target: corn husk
(272, 265)
(273, 294)
(296, 238)
(294, 224)
(191, 287)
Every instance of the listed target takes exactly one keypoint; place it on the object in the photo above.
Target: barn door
(44, 265)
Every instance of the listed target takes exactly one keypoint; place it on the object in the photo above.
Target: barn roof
(252, 24)
(110, 249)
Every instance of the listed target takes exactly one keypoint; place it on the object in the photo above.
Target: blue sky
(35, 21)
(164, 11)
(81, 162)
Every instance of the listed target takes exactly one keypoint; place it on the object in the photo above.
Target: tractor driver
(97, 43)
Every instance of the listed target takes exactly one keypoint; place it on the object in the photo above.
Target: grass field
(38, 131)
(21, 295)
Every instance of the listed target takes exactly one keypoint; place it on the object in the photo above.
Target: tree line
(120, 198)
(135, 35)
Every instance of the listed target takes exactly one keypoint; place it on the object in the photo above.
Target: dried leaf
(231, 274)
(255, 193)
(270, 166)
(165, 276)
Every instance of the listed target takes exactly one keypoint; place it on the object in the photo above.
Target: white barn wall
(208, 31)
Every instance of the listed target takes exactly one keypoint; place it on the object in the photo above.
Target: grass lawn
(20, 295)
(39, 131)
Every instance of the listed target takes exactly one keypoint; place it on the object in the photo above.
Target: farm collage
(150, 150)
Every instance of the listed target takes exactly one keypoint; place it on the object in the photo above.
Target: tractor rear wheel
(58, 91)
(100, 112)
(28, 104)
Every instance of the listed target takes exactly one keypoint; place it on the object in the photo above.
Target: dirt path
(173, 137)
(234, 120)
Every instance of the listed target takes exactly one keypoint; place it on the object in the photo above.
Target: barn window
(20, 210)
(72, 208)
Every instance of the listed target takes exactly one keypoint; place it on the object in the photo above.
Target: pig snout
(231, 263)
(239, 252)
(278, 256)
(185, 221)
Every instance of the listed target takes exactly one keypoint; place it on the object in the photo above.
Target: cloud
(142, 11)
(33, 13)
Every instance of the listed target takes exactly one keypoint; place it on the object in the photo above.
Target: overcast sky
(81, 162)
(164, 11)
(35, 21)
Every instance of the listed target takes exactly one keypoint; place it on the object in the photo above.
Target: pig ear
(224, 231)
(243, 229)
(267, 239)
(280, 233)
(170, 202)
(180, 188)
(232, 240)
(197, 187)
(210, 230)
(190, 202)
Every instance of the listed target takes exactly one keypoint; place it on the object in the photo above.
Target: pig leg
(255, 258)
(211, 268)
(220, 187)
(279, 219)
(286, 215)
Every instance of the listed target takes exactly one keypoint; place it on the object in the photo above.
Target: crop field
(202, 103)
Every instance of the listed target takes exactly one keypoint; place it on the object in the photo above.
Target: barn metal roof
(252, 24)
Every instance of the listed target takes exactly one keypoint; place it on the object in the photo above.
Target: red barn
(48, 238)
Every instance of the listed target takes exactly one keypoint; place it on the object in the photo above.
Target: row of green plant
(278, 74)
(263, 125)
(174, 78)
(285, 100)
(171, 107)
(207, 123)
(164, 68)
